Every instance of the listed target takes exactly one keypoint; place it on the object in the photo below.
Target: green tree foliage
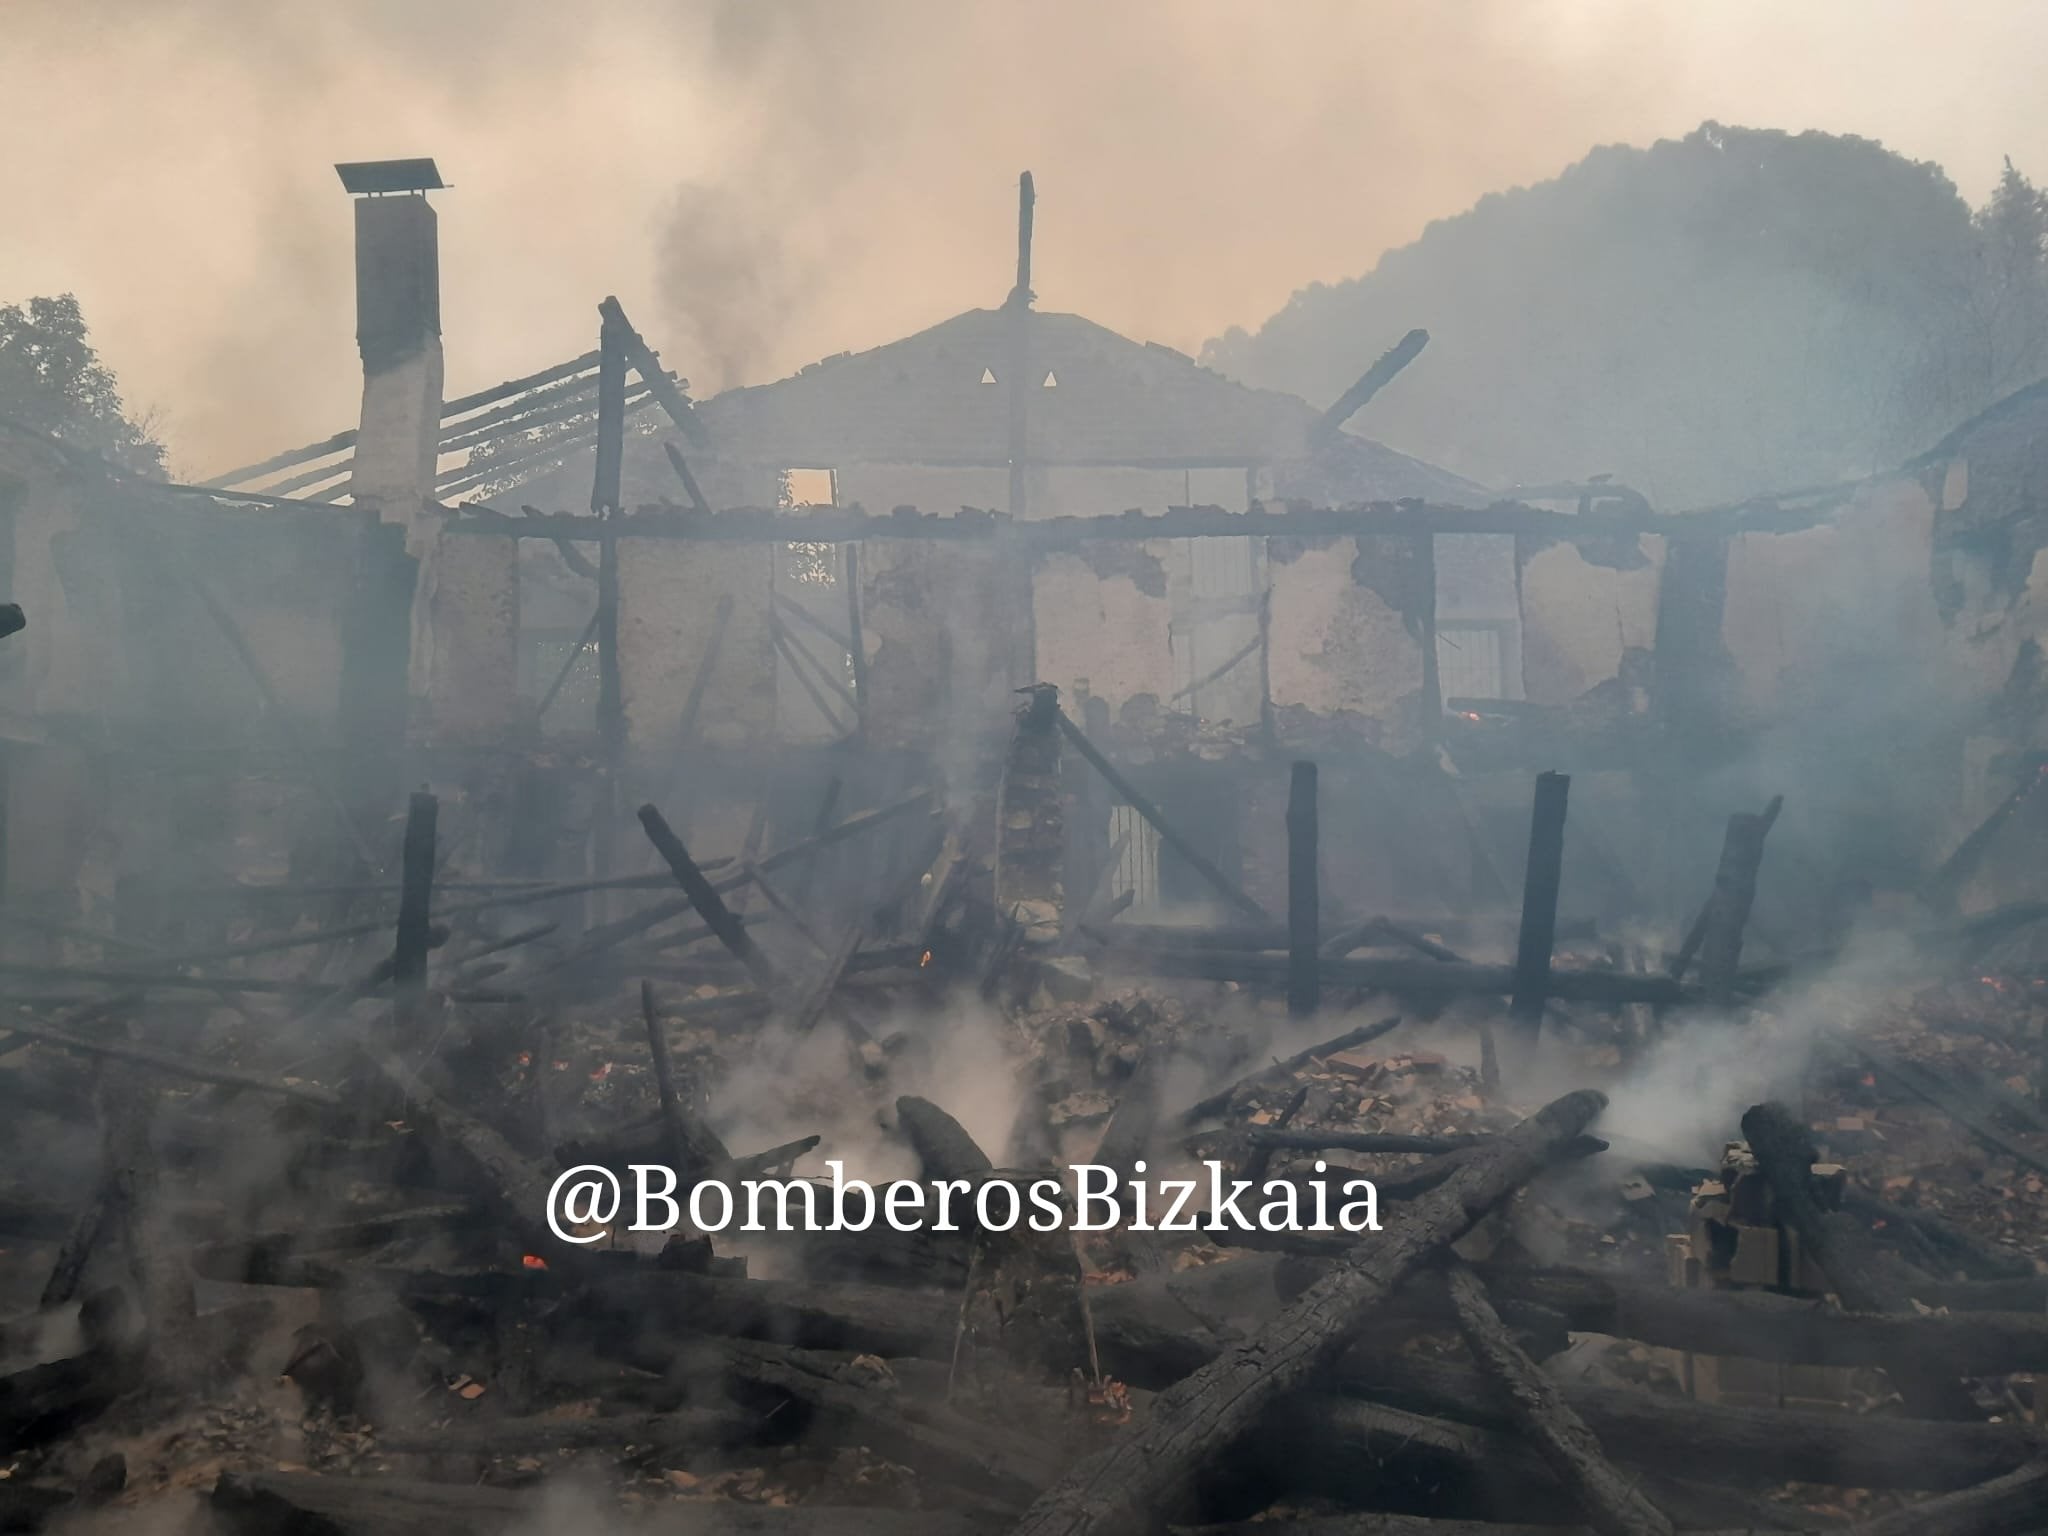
(50, 377)
(1734, 312)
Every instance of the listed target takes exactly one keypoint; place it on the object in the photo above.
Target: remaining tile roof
(942, 396)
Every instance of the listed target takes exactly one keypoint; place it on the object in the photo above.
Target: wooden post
(664, 1076)
(1539, 903)
(1019, 364)
(415, 899)
(1425, 603)
(1304, 920)
(1742, 854)
(604, 503)
(855, 647)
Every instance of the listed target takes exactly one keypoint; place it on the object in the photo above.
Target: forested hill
(1738, 311)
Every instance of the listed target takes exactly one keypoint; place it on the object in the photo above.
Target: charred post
(1304, 899)
(1538, 936)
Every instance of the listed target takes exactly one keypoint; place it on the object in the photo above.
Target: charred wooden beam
(784, 908)
(1539, 904)
(681, 466)
(1304, 894)
(1844, 1250)
(1370, 383)
(817, 997)
(173, 1065)
(856, 644)
(1959, 1105)
(1281, 1139)
(877, 1319)
(1129, 1132)
(1030, 873)
(1148, 1473)
(1000, 1463)
(690, 1144)
(604, 504)
(1750, 1447)
(415, 901)
(1138, 801)
(312, 1504)
(1762, 1326)
(1866, 1278)
(1717, 934)
(2003, 1506)
(1216, 1103)
(1260, 1156)
(1409, 978)
(676, 1429)
(1613, 1503)
(815, 677)
(1956, 870)
(1369, 1454)
(674, 404)
(944, 1149)
(1218, 673)
(1406, 519)
(705, 898)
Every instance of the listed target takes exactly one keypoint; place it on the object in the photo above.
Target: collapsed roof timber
(1062, 814)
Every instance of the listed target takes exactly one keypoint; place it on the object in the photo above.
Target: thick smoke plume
(767, 184)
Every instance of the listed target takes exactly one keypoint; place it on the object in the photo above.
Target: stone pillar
(398, 331)
(463, 667)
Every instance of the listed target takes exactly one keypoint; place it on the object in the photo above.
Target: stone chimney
(398, 330)
(463, 664)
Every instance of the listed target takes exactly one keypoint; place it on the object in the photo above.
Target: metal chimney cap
(374, 178)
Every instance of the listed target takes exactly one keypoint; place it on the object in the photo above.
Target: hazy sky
(765, 183)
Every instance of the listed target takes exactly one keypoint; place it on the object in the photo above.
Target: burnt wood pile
(227, 1174)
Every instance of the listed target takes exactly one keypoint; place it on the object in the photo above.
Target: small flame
(924, 959)
(533, 1261)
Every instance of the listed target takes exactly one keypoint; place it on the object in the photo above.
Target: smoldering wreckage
(1326, 808)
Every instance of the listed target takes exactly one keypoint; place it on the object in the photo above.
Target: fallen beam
(1614, 1504)
(1750, 1447)
(172, 1065)
(1148, 1473)
(1409, 978)
(1170, 835)
(1217, 1102)
(705, 898)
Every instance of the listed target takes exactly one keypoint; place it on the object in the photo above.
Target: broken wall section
(1345, 638)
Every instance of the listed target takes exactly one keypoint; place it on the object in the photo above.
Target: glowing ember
(533, 1261)
(924, 959)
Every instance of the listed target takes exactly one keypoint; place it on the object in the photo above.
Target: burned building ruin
(575, 772)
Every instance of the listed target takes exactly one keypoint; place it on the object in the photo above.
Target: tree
(2010, 296)
(51, 378)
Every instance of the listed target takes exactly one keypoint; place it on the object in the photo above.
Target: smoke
(763, 185)
(1687, 1096)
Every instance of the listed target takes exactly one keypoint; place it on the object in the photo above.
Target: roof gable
(942, 396)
